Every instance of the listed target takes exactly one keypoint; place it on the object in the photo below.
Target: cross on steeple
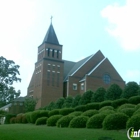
(51, 19)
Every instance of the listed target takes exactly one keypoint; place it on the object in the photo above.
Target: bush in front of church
(115, 121)
(13, 120)
(53, 112)
(124, 106)
(78, 122)
(53, 120)
(128, 111)
(106, 108)
(90, 113)
(105, 103)
(96, 121)
(34, 116)
(81, 108)
(64, 121)
(92, 106)
(119, 102)
(134, 100)
(66, 111)
(41, 121)
(44, 113)
(28, 118)
(76, 113)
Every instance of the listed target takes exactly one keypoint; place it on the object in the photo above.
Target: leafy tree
(98, 96)
(59, 103)
(131, 89)
(30, 104)
(114, 92)
(8, 75)
(76, 100)
(51, 106)
(68, 102)
(86, 98)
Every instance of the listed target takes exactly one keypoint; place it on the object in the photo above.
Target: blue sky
(82, 27)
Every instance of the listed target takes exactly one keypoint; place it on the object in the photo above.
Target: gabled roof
(50, 36)
(76, 67)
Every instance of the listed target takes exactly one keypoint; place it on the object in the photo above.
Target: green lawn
(32, 132)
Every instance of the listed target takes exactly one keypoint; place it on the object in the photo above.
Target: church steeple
(50, 36)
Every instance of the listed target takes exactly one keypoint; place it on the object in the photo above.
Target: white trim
(58, 65)
(53, 71)
(82, 65)
(96, 66)
(49, 64)
(55, 50)
(48, 70)
(82, 80)
(31, 90)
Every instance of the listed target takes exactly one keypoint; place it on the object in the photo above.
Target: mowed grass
(32, 132)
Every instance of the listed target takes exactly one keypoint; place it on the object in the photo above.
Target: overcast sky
(82, 26)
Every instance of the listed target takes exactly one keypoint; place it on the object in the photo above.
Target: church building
(54, 77)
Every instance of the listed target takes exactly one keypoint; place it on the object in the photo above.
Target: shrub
(41, 120)
(126, 106)
(24, 119)
(34, 116)
(107, 112)
(134, 100)
(54, 112)
(76, 113)
(137, 106)
(134, 121)
(53, 120)
(64, 121)
(128, 111)
(19, 118)
(8, 117)
(92, 106)
(136, 112)
(44, 113)
(13, 120)
(96, 121)
(106, 108)
(105, 103)
(119, 102)
(115, 121)
(28, 117)
(66, 111)
(90, 113)
(78, 122)
(80, 108)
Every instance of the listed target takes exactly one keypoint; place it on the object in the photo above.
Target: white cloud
(124, 23)
(133, 74)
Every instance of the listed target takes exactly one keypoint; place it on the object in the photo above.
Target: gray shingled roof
(50, 36)
(68, 65)
(75, 67)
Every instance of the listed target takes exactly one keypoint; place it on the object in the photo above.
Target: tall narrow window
(74, 86)
(48, 78)
(57, 53)
(82, 86)
(58, 77)
(53, 53)
(53, 78)
(48, 52)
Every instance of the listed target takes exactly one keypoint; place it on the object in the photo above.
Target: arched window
(106, 79)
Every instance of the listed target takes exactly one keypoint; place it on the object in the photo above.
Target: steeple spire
(50, 36)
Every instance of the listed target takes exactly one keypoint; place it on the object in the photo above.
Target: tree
(86, 98)
(59, 103)
(99, 95)
(114, 92)
(68, 102)
(76, 100)
(29, 104)
(131, 89)
(8, 75)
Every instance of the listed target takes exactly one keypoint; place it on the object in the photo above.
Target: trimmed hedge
(128, 111)
(134, 121)
(78, 122)
(96, 121)
(8, 117)
(137, 106)
(134, 100)
(28, 117)
(80, 108)
(115, 121)
(41, 121)
(105, 103)
(92, 106)
(19, 118)
(64, 121)
(90, 113)
(106, 108)
(119, 102)
(76, 113)
(53, 120)
(44, 113)
(107, 112)
(66, 111)
(13, 120)
(136, 112)
(34, 116)
(54, 112)
(124, 106)
(24, 119)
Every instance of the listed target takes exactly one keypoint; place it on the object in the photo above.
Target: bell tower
(47, 81)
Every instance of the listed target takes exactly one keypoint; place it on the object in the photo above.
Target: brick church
(54, 77)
